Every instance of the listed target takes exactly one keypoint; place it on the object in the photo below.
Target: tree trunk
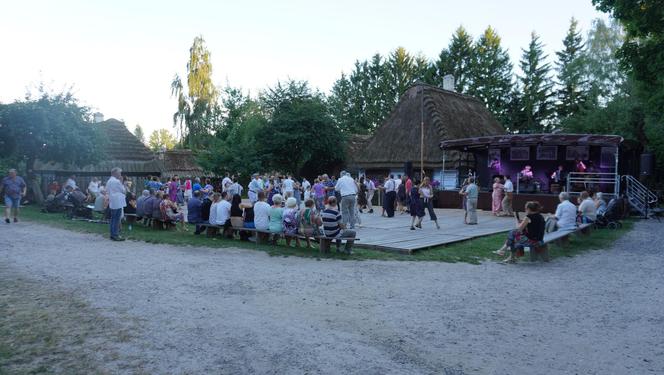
(33, 183)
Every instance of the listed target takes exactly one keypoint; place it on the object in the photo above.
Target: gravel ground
(229, 311)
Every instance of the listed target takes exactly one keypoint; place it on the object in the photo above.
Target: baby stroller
(611, 217)
(75, 206)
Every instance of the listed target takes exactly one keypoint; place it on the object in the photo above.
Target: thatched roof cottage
(121, 149)
(179, 163)
(446, 115)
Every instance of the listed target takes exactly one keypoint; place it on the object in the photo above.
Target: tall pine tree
(570, 67)
(457, 59)
(491, 74)
(536, 86)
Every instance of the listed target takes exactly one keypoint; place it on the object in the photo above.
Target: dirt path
(204, 311)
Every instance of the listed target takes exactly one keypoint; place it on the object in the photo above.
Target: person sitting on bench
(528, 233)
(587, 208)
(333, 227)
(565, 217)
(220, 214)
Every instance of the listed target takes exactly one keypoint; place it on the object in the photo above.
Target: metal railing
(591, 180)
(638, 195)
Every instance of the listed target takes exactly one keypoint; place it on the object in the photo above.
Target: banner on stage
(547, 152)
(519, 153)
(577, 153)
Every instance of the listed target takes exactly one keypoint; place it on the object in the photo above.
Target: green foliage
(457, 59)
(642, 57)
(52, 127)
(301, 136)
(235, 147)
(198, 112)
(572, 89)
(491, 78)
(602, 66)
(623, 115)
(360, 102)
(138, 132)
(536, 86)
(161, 139)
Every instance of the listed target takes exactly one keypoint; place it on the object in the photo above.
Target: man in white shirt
(288, 186)
(509, 196)
(348, 190)
(222, 213)
(390, 187)
(255, 186)
(305, 184)
(116, 201)
(587, 208)
(565, 213)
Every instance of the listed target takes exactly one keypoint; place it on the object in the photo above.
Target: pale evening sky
(120, 56)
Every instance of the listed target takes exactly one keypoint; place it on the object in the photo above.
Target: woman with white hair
(290, 221)
(276, 215)
(600, 203)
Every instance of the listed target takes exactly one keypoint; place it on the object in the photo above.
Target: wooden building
(396, 144)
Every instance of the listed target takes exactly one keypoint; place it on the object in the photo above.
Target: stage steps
(638, 195)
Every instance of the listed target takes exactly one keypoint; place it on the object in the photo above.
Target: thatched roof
(122, 149)
(179, 162)
(447, 115)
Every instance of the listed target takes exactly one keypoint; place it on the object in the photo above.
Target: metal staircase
(638, 195)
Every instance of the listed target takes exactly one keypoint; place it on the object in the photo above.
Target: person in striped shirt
(333, 227)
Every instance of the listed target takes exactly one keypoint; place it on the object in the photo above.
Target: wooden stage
(394, 234)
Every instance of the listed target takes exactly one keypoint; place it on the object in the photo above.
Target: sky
(120, 56)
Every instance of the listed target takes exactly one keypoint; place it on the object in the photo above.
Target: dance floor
(394, 234)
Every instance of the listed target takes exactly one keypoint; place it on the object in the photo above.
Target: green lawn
(471, 251)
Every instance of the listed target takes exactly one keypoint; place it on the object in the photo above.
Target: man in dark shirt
(333, 227)
(194, 207)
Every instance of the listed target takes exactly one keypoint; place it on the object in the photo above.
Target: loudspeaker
(647, 163)
(408, 168)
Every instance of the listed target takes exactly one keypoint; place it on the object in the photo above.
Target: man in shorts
(14, 188)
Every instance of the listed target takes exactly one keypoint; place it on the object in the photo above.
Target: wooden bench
(326, 242)
(560, 236)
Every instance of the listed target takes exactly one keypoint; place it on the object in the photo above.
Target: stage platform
(394, 234)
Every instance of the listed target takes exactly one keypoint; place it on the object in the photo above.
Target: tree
(138, 132)
(301, 136)
(642, 56)
(536, 86)
(570, 66)
(602, 65)
(198, 112)
(52, 127)
(491, 77)
(457, 59)
(161, 139)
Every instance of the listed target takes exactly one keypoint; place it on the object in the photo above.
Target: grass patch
(45, 330)
(471, 251)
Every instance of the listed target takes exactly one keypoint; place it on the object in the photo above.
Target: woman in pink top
(497, 196)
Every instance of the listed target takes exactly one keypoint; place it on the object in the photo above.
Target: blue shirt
(12, 187)
(196, 187)
(194, 210)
